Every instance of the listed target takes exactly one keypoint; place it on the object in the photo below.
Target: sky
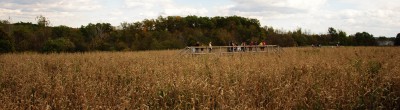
(377, 17)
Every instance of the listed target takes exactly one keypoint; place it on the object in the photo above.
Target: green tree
(334, 36)
(6, 41)
(61, 31)
(169, 32)
(397, 40)
(5, 44)
(96, 35)
(58, 45)
(299, 37)
(332, 31)
(364, 39)
(24, 35)
(42, 21)
(343, 40)
(43, 33)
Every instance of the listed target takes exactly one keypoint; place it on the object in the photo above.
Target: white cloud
(4, 12)
(147, 4)
(184, 11)
(116, 12)
(52, 5)
(376, 17)
(275, 6)
(59, 12)
(78, 5)
(154, 8)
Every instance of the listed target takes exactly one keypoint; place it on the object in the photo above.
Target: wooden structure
(219, 50)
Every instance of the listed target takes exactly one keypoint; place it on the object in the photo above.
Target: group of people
(244, 47)
(332, 44)
(198, 49)
(233, 47)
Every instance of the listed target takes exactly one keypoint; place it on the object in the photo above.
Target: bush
(58, 45)
(6, 46)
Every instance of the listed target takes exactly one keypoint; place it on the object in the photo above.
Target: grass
(298, 78)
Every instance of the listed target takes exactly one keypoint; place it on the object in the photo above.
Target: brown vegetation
(298, 78)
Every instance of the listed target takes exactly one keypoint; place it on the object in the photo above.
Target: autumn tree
(43, 32)
(96, 35)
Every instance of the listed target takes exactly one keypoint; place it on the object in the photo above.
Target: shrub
(6, 46)
(58, 45)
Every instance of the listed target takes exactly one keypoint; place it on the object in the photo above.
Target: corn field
(297, 78)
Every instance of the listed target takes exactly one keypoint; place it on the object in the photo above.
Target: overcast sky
(378, 17)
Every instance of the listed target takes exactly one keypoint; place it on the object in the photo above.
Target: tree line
(172, 32)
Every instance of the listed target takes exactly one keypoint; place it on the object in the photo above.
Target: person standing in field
(261, 46)
(239, 48)
(235, 47)
(251, 46)
(201, 47)
(264, 44)
(209, 47)
(197, 47)
(229, 46)
(243, 46)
